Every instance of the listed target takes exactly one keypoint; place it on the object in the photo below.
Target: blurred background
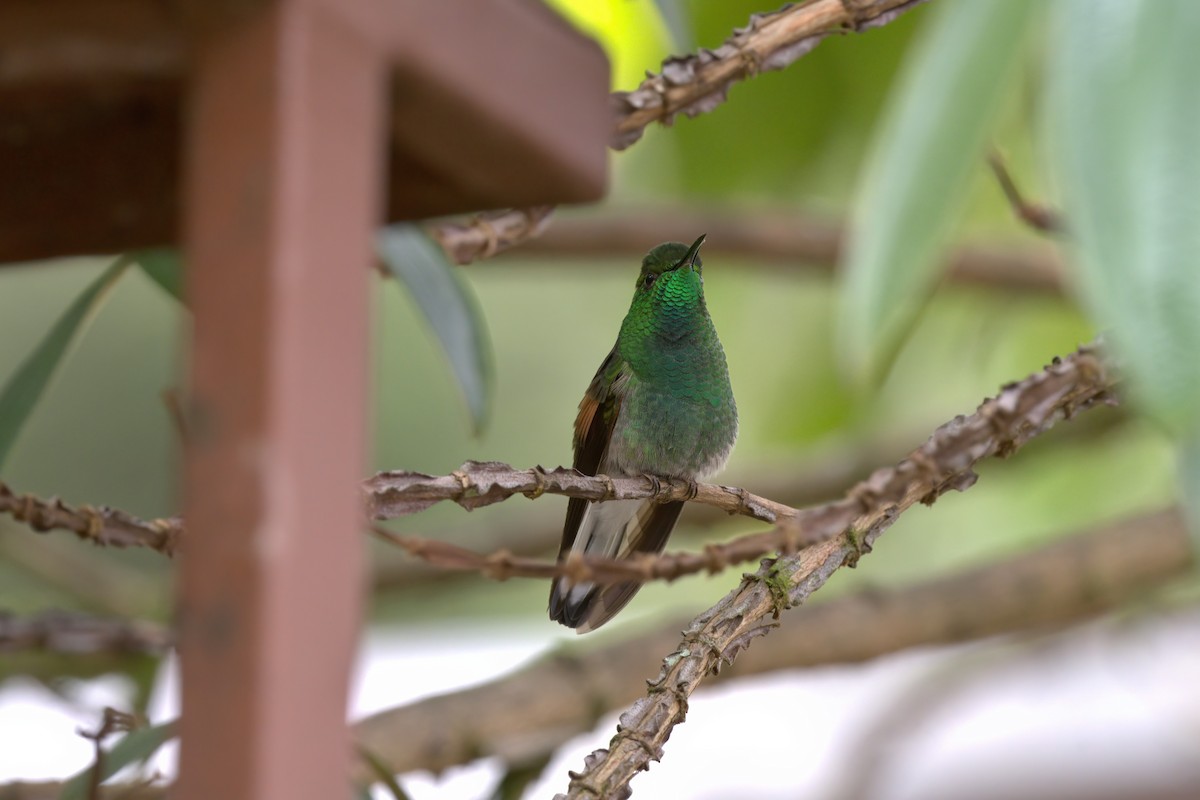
(1107, 709)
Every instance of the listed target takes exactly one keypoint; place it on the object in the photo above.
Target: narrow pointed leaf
(1124, 116)
(24, 388)
(449, 307)
(164, 266)
(134, 747)
(924, 152)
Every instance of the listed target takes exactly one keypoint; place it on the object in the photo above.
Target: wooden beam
(493, 104)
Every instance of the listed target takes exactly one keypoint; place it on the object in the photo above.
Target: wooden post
(285, 169)
(287, 115)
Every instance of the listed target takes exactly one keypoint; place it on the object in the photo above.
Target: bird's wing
(593, 428)
(648, 529)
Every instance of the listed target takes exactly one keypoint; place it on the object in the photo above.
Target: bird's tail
(628, 527)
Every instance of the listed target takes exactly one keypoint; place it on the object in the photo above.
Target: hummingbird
(659, 405)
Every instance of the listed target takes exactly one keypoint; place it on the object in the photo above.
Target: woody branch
(943, 462)
(1022, 411)
(999, 427)
(524, 714)
(690, 85)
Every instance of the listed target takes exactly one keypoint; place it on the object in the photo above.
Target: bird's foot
(610, 488)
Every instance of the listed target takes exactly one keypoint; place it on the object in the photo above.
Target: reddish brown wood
(285, 156)
(89, 126)
(495, 103)
(513, 104)
(286, 120)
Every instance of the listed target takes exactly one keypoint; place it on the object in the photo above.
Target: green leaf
(449, 307)
(1124, 124)
(134, 747)
(924, 152)
(164, 266)
(25, 387)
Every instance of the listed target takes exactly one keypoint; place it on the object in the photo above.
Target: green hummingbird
(660, 404)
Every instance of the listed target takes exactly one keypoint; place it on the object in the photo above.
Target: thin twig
(114, 721)
(1039, 217)
(788, 240)
(100, 525)
(999, 427)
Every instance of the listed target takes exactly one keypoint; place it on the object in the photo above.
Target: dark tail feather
(595, 608)
(602, 603)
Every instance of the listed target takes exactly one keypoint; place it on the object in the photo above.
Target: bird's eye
(649, 280)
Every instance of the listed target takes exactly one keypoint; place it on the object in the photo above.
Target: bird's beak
(693, 252)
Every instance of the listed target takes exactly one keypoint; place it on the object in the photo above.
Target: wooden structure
(270, 138)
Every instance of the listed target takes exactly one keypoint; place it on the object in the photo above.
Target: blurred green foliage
(20, 394)
(792, 140)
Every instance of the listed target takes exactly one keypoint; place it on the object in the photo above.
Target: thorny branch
(475, 484)
(393, 494)
(527, 713)
(690, 85)
(1001, 425)
(847, 529)
(804, 482)
(523, 714)
(819, 476)
(100, 525)
(698, 83)
(388, 495)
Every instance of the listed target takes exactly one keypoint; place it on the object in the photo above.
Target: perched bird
(661, 405)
